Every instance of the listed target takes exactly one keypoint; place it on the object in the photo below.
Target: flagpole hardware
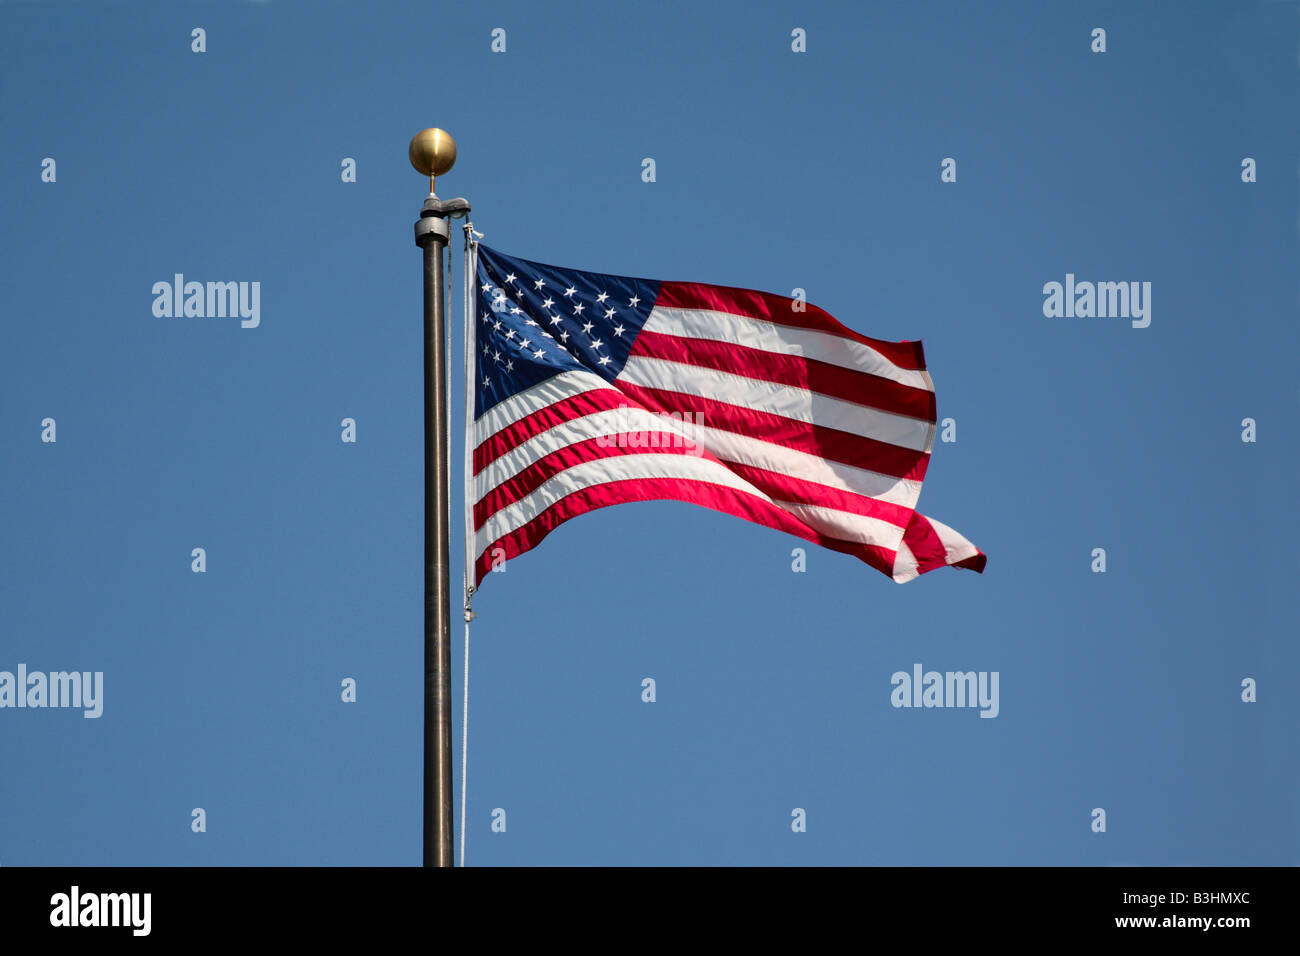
(432, 153)
(455, 208)
(433, 218)
(429, 226)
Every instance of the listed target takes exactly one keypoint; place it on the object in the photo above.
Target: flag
(593, 390)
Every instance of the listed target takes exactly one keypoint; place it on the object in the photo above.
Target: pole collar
(430, 229)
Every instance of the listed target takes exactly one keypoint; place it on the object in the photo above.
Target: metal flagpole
(433, 153)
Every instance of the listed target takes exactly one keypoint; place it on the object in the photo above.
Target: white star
(510, 366)
(486, 318)
(577, 309)
(618, 331)
(486, 348)
(530, 322)
(602, 297)
(496, 326)
(524, 344)
(486, 382)
(568, 293)
(604, 360)
(510, 333)
(555, 320)
(510, 279)
(564, 336)
(634, 301)
(538, 354)
(548, 303)
(496, 357)
(539, 283)
(587, 327)
(516, 310)
(609, 313)
(597, 343)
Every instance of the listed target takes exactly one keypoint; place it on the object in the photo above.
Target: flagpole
(432, 153)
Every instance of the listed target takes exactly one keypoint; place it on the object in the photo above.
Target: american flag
(594, 390)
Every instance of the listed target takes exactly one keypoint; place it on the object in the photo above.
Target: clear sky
(773, 170)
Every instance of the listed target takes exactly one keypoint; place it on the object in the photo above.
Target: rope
(471, 343)
(464, 745)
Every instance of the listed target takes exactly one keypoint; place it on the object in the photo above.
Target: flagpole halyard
(471, 380)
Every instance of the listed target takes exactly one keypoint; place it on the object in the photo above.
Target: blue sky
(774, 170)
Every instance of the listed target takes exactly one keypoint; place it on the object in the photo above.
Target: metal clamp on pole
(431, 227)
(455, 208)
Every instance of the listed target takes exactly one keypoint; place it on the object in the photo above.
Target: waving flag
(594, 390)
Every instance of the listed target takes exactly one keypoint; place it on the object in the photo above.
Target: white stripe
(602, 470)
(843, 525)
(794, 403)
(523, 404)
(746, 450)
(846, 525)
(726, 445)
(782, 339)
(956, 548)
(905, 568)
(609, 422)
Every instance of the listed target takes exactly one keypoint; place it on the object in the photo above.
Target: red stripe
(717, 497)
(924, 542)
(524, 483)
(557, 413)
(779, 309)
(819, 440)
(784, 488)
(862, 388)
(800, 491)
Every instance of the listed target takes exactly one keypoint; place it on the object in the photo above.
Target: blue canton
(536, 321)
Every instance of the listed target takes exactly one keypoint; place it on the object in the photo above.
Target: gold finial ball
(433, 152)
